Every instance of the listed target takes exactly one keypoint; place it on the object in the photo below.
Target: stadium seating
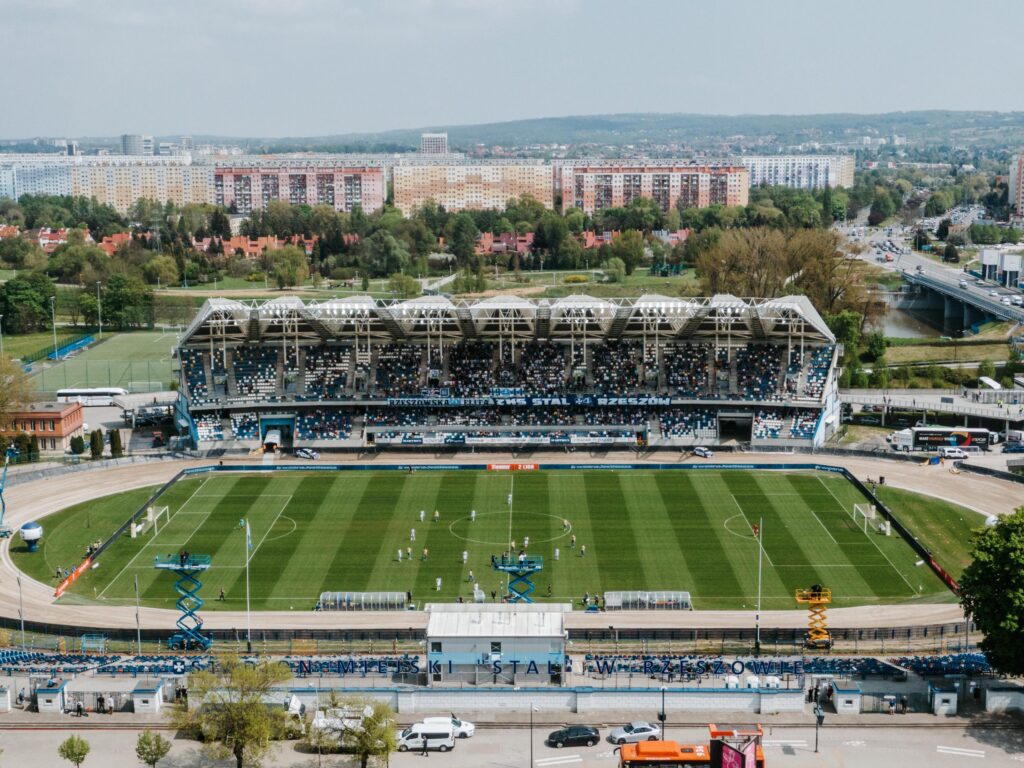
(803, 424)
(688, 422)
(398, 370)
(950, 664)
(686, 369)
(195, 376)
(757, 371)
(471, 369)
(209, 427)
(245, 426)
(817, 371)
(321, 424)
(615, 367)
(768, 425)
(326, 372)
(543, 365)
(256, 372)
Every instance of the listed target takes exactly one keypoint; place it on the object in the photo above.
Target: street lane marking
(785, 743)
(960, 751)
(562, 760)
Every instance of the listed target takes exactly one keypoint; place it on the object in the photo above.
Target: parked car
(631, 733)
(704, 453)
(437, 736)
(463, 728)
(1013, 448)
(573, 736)
(307, 453)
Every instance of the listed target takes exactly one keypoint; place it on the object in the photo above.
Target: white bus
(96, 396)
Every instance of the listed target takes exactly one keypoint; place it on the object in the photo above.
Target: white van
(951, 452)
(439, 736)
(463, 728)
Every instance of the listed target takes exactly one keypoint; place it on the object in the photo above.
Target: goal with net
(864, 516)
(155, 517)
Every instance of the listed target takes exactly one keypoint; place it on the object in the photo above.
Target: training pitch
(643, 530)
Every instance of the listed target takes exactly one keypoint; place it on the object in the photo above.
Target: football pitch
(643, 530)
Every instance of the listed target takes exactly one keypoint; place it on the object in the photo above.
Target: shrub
(256, 277)
(575, 279)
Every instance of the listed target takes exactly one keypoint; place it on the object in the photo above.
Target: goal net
(154, 519)
(864, 516)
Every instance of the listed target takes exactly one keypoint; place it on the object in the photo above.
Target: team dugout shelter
(514, 643)
(360, 372)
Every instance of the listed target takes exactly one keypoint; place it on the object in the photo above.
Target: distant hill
(710, 132)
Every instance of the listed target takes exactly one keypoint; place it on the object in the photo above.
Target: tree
(992, 591)
(74, 749)
(161, 270)
(127, 302)
(96, 444)
(629, 247)
(384, 255)
(116, 449)
(15, 390)
(951, 254)
(33, 448)
(151, 748)
(987, 368)
(461, 231)
(24, 302)
(233, 719)
(374, 736)
(615, 270)
(404, 286)
(288, 265)
(77, 445)
(874, 343)
(942, 231)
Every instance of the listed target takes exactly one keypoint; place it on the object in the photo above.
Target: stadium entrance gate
(735, 425)
(283, 425)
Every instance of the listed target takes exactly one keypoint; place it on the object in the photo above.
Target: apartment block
(434, 143)
(799, 171)
(593, 187)
(480, 186)
(1017, 184)
(120, 183)
(248, 188)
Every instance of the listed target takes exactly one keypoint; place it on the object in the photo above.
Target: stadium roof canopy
(438, 319)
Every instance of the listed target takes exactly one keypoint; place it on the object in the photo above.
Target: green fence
(150, 376)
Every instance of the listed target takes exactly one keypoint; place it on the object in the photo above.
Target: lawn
(941, 526)
(671, 530)
(139, 361)
(925, 353)
(29, 343)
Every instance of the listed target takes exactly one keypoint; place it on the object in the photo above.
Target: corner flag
(248, 536)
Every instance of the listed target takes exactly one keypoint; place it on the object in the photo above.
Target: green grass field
(129, 360)
(680, 530)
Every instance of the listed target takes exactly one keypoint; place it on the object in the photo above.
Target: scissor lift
(520, 575)
(817, 599)
(190, 623)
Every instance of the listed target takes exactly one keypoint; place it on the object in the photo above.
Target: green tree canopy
(992, 592)
(74, 749)
(151, 748)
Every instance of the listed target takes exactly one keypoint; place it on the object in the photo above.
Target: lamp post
(819, 719)
(21, 614)
(661, 715)
(99, 307)
(1, 337)
(532, 710)
(53, 317)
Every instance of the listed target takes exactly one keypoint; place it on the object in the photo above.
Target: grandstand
(658, 371)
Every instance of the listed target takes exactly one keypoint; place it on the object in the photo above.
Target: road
(856, 747)
(942, 276)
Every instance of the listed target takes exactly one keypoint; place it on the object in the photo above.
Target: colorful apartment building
(248, 188)
(53, 424)
(594, 187)
(471, 186)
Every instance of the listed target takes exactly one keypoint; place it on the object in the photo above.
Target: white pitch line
(737, 503)
(153, 537)
(824, 528)
(869, 538)
(270, 527)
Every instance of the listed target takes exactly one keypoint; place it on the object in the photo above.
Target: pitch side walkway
(35, 500)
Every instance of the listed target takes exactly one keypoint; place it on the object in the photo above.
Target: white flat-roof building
(511, 643)
(798, 171)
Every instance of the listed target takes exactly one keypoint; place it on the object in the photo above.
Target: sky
(264, 68)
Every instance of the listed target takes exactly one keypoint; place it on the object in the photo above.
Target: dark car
(574, 736)
(1013, 448)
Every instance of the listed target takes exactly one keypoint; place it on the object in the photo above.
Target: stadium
(502, 466)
